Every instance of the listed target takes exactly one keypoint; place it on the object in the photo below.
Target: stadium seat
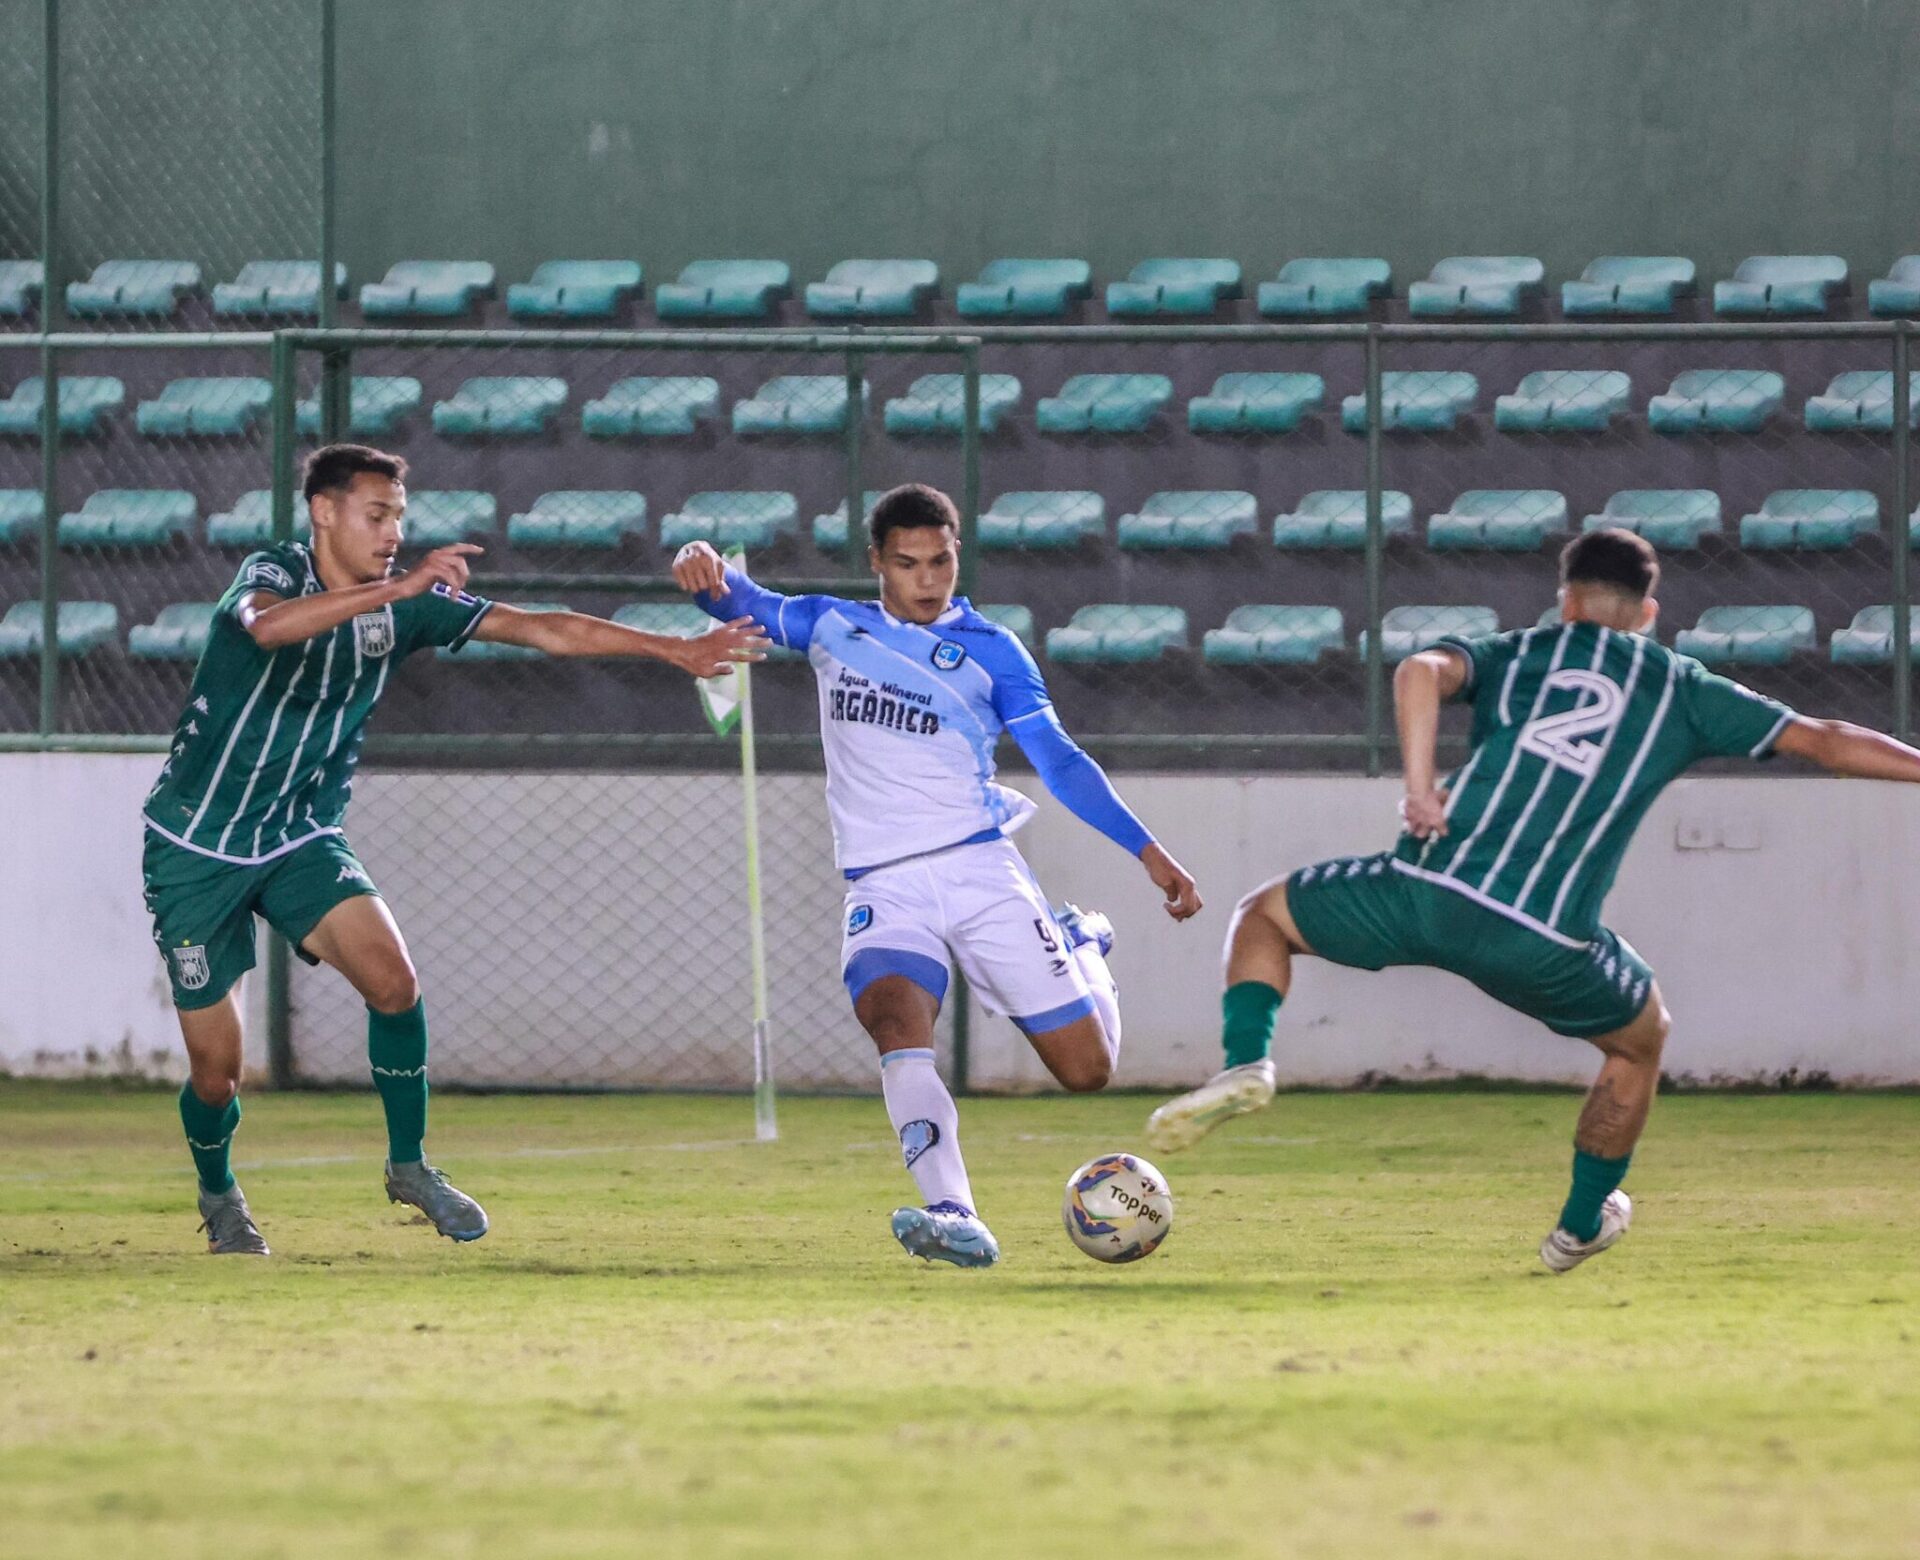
(149, 288)
(1192, 521)
(797, 404)
(1175, 287)
(1898, 292)
(1337, 517)
(1273, 636)
(574, 517)
(1868, 639)
(1811, 519)
(1416, 401)
(518, 404)
(1405, 631)
(1484, 285)
(1670, 518)
(830, 530)
(435, 289)
(1629, 284)
(250, 522)
(179, 633)
(1498, 520)
(1563, 400)
(440, 517)
(1861, 402)
(1025, 289)
(79, 626)
(1013, 617)
(375, 405)
(1747, 636)
(1042, 521)
(494, 650)
(22, 512)
(724, 289)
(1104, 403)
(936, 403)
(85, 400)
(1321, 287)
(275, 289)
(873, 289)
(1717, 400)
(1116, 634)
(575, 290)
(205, 408)
(1781, 284)
(1256, 403)
(731, 519)
(20, 285)
(652, 408)
(130, 517)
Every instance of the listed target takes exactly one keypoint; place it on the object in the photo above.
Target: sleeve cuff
(466, 633)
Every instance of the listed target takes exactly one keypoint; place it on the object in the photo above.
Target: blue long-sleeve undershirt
(1076, 781)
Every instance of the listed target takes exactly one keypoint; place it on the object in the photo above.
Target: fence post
(1376, 542)
(969, 570)
(279, 972)
(1902, 537)
(53, 300)
(336, 376)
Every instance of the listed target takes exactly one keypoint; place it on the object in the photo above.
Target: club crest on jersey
(859, 919)
(947, 656)
(373, 632)
(190, 966)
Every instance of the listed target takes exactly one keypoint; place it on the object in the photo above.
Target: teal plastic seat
(1769, 285)
(1406, 631)
(149, 289)
(275, 290)
(1198, 520)
(936, 403)
(85, 401)
(1499, 520)
(873, 290)
(725, 289)
(205, 408)
(1025, 289)
(1169, 286)
(574, 517)
(652, 408)
(1104, 403)
(1717, 400)
(496, 650)
(1337, 517)
(250, 522)
(733, 518)
(575, 290)
(179, 633)
(1256, 403)
(376, 405)
(21, 282)
(1898, 292)
(1563, 400)
(1274, 636)
(1747, 636)
(796, 404)
(1115, 634)
(1673, 519)
(1629, 284)
(438, 517)
(22, 512)
(1316, 288)
(830, 529)
(1811, 520)
(79, 626)
(1014, 618)
(519, 404)
(130, 517)
(1416, 401)
(1868, 639)
(1485, 286)
(428, 289)
(1861, 402)
(1043, 521)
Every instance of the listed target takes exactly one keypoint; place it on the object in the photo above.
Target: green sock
(1247, 1010)
(1593, 1179)
(397, 1052)
(209, 1131)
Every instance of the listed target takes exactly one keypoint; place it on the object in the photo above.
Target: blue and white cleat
(1085, 926)
(946, 1232)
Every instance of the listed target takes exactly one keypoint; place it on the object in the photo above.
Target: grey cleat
(1187, 1118)
(1563, 1251)
(453, 1212)
(229, 1224)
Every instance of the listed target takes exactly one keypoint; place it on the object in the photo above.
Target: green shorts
(203, 909)
(1361, 912)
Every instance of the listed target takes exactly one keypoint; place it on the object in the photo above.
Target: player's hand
(443, 566)
(1425, 815)
(719, 649)
(1173, 880)
(698, 569)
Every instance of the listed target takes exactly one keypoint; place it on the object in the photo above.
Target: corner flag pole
(765, 1127)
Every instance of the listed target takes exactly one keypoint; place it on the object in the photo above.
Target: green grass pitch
(677, 1342)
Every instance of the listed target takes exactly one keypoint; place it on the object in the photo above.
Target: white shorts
(977, 905)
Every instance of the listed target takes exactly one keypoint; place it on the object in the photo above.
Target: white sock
(927, 1123)
(1106, 995)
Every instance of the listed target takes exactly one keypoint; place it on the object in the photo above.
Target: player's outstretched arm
(1843, 748)
(274, 621)
(723, 591)
(580, 633)
(1421, 684)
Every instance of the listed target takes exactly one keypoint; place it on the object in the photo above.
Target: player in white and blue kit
(915, 690)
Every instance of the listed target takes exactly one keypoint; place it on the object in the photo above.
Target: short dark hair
(332, 467)
(1618, 559)
(908, 508)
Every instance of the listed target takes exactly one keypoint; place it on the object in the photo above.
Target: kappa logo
(947, 656)
(373, 632)
(916, 1137)
(270, 576)
(190, 966)
(859, 919)
(352, 874)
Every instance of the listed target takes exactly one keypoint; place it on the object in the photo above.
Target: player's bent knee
(1084, 1074)
(393, 988)
(216, 1089)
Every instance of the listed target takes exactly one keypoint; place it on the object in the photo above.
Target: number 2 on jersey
(1576, 739)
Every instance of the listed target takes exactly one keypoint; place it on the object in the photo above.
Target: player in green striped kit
(1501, 870)
(245, 818)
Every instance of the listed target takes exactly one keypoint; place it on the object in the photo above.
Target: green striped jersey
(1576, 729)
(263, 754)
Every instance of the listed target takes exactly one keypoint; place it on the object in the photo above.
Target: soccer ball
(1117, 1208)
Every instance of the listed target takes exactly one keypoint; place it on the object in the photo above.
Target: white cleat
(1187, 1118)
(1563, 1252)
